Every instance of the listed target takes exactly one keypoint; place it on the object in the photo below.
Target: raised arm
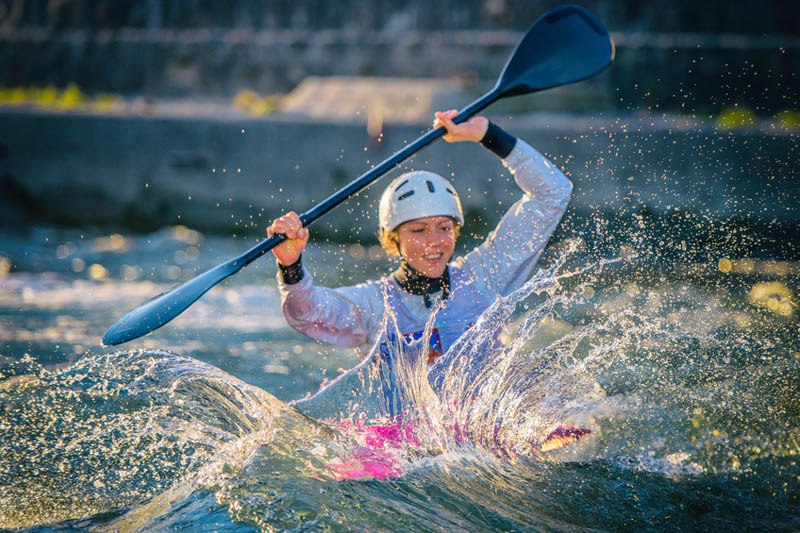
(505, 260)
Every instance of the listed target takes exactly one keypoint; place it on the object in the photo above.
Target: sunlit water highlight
(686, 373)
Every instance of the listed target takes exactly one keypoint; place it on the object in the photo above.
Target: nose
(438, 239)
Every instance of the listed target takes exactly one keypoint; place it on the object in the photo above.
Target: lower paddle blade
(565, 45)
(167, 306)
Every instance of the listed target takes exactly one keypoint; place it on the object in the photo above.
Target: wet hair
(390, 240)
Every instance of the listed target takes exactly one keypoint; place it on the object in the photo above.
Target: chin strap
(413, 282)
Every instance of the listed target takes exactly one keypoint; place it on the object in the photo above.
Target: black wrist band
(498, 140)
(293, 273)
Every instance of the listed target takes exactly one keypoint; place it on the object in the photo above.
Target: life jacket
(460, 311)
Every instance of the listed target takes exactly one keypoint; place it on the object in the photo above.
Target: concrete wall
(234, 175)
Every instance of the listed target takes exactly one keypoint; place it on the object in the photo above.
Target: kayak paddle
(565, 45)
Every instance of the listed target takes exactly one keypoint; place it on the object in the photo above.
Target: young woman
(420, 216)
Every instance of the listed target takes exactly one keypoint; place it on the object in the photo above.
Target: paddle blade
(163, 308)
(565, 45)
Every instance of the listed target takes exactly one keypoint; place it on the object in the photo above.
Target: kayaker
(420, 216)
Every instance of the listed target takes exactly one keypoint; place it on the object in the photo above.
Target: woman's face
(427, 244)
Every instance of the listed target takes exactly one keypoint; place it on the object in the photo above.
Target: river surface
(678, 350)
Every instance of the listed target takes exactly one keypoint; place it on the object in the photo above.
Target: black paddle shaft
(565, 45)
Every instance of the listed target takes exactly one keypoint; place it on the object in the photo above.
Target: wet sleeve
(345, 316)
(505, 260)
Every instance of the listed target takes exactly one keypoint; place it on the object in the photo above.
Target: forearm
(321, 313)
(498, 140)
(538, 176)
(507, 257)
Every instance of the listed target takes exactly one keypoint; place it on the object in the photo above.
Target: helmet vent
(414, 195)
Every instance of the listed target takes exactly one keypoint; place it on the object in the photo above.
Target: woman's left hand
(472, 130)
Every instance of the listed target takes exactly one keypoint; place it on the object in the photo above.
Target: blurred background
(141, 114)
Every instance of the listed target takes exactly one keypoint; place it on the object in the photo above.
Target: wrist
(481, 134)
(291, 274)
(498, 140)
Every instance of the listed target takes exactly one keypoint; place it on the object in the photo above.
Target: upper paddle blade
(567, 44)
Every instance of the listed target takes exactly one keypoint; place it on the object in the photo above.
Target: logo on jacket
(434, 344)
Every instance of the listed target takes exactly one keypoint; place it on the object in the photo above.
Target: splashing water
(689, 391)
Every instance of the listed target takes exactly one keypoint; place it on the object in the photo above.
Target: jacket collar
(418, 284)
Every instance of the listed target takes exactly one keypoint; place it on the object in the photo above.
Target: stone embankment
(234, 174)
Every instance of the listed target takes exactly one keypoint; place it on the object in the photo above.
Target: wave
(676, 385)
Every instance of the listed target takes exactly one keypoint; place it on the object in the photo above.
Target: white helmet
(416, 195)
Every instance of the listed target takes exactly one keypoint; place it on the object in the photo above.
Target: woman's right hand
(288, 252)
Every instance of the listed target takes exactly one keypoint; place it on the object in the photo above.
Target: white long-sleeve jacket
(353, 316)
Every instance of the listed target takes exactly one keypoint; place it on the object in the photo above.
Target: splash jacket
(353, 316)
